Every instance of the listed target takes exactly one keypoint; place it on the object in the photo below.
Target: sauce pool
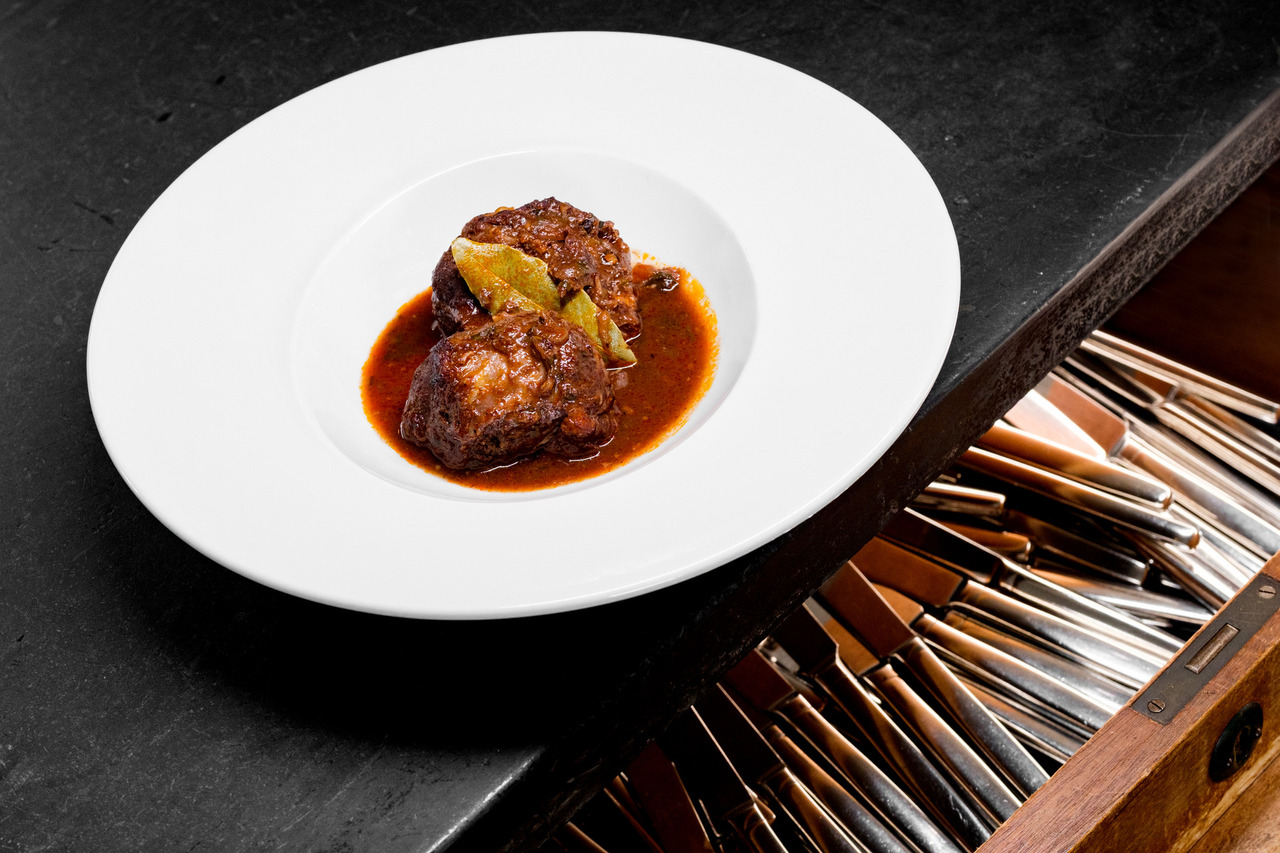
(675, 363)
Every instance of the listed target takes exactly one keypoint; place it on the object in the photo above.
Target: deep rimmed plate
(226, 345)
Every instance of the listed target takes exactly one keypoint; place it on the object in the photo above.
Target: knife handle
(1009, 670)
(1135, 637)
(1047, 734)
(1123, 512)
(866, 777)
(1070, 672)
(856, 818)
(899, 752)
(828, 835)
(1128, 668)
(1075, 465)
(960, 500)
(974, 775)
(662, 795)
(754, 830)
(986, 731)
(1210, 498)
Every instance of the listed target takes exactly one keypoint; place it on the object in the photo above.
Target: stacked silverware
(943, 674)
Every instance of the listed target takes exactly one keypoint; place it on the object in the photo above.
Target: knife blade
(756, 759)
(1035, 415)
(973, 776)
(921, 578)
(573, 840)
(767, 689)
(1010, 545)
(658, 789)
(709, 776)
(851, 597)
(918, 533)
(813, 649)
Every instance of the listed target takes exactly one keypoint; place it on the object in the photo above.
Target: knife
(851, 597)
(1012, 546)
(709, 776)
(917, 533)
(1054, 544)
(1038, 731)
(1214, 495)
(972, 775)
(768, 690)
(1067, 671)
(1237, 427)
(1190, 420)
(999, 667)
(1141, 602)
(1200, 421)
(1034, 414)
(802, 635)
(960, 500)
(1104, 505)
(658, 789)
(627, 814)
(1245, 559)
(757, 760)
(920, 578)
(1084, 468)
(1210, 387)
(573, 840)
(1204, 584)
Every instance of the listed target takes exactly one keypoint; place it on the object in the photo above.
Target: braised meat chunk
(454, 306)
(581, 251)
(524, 382)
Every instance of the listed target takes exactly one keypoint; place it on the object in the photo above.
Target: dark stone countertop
(151, 700)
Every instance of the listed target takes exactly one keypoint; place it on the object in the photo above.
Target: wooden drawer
(1190, 761)
(1143, 785)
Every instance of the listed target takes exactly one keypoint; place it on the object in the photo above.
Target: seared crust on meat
(527, 381)
(452, 302)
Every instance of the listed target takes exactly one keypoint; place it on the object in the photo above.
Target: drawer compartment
(1176, 765)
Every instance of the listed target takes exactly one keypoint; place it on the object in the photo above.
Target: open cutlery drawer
(1069, 642)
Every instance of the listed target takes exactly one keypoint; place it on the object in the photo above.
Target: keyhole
(1235, 745)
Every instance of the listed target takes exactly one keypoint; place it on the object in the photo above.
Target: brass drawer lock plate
(1210, 650)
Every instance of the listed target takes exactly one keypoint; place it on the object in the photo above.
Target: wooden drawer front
(1139, 785)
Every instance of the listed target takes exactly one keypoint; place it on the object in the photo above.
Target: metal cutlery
(852, 598)
(769, 690)
(816, 652)
(917, 575)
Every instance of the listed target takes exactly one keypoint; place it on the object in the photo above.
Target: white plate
(226, 346)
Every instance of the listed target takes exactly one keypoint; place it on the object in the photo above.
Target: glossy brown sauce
(675, 363)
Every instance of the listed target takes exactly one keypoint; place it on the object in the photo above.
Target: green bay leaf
(503, 278)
